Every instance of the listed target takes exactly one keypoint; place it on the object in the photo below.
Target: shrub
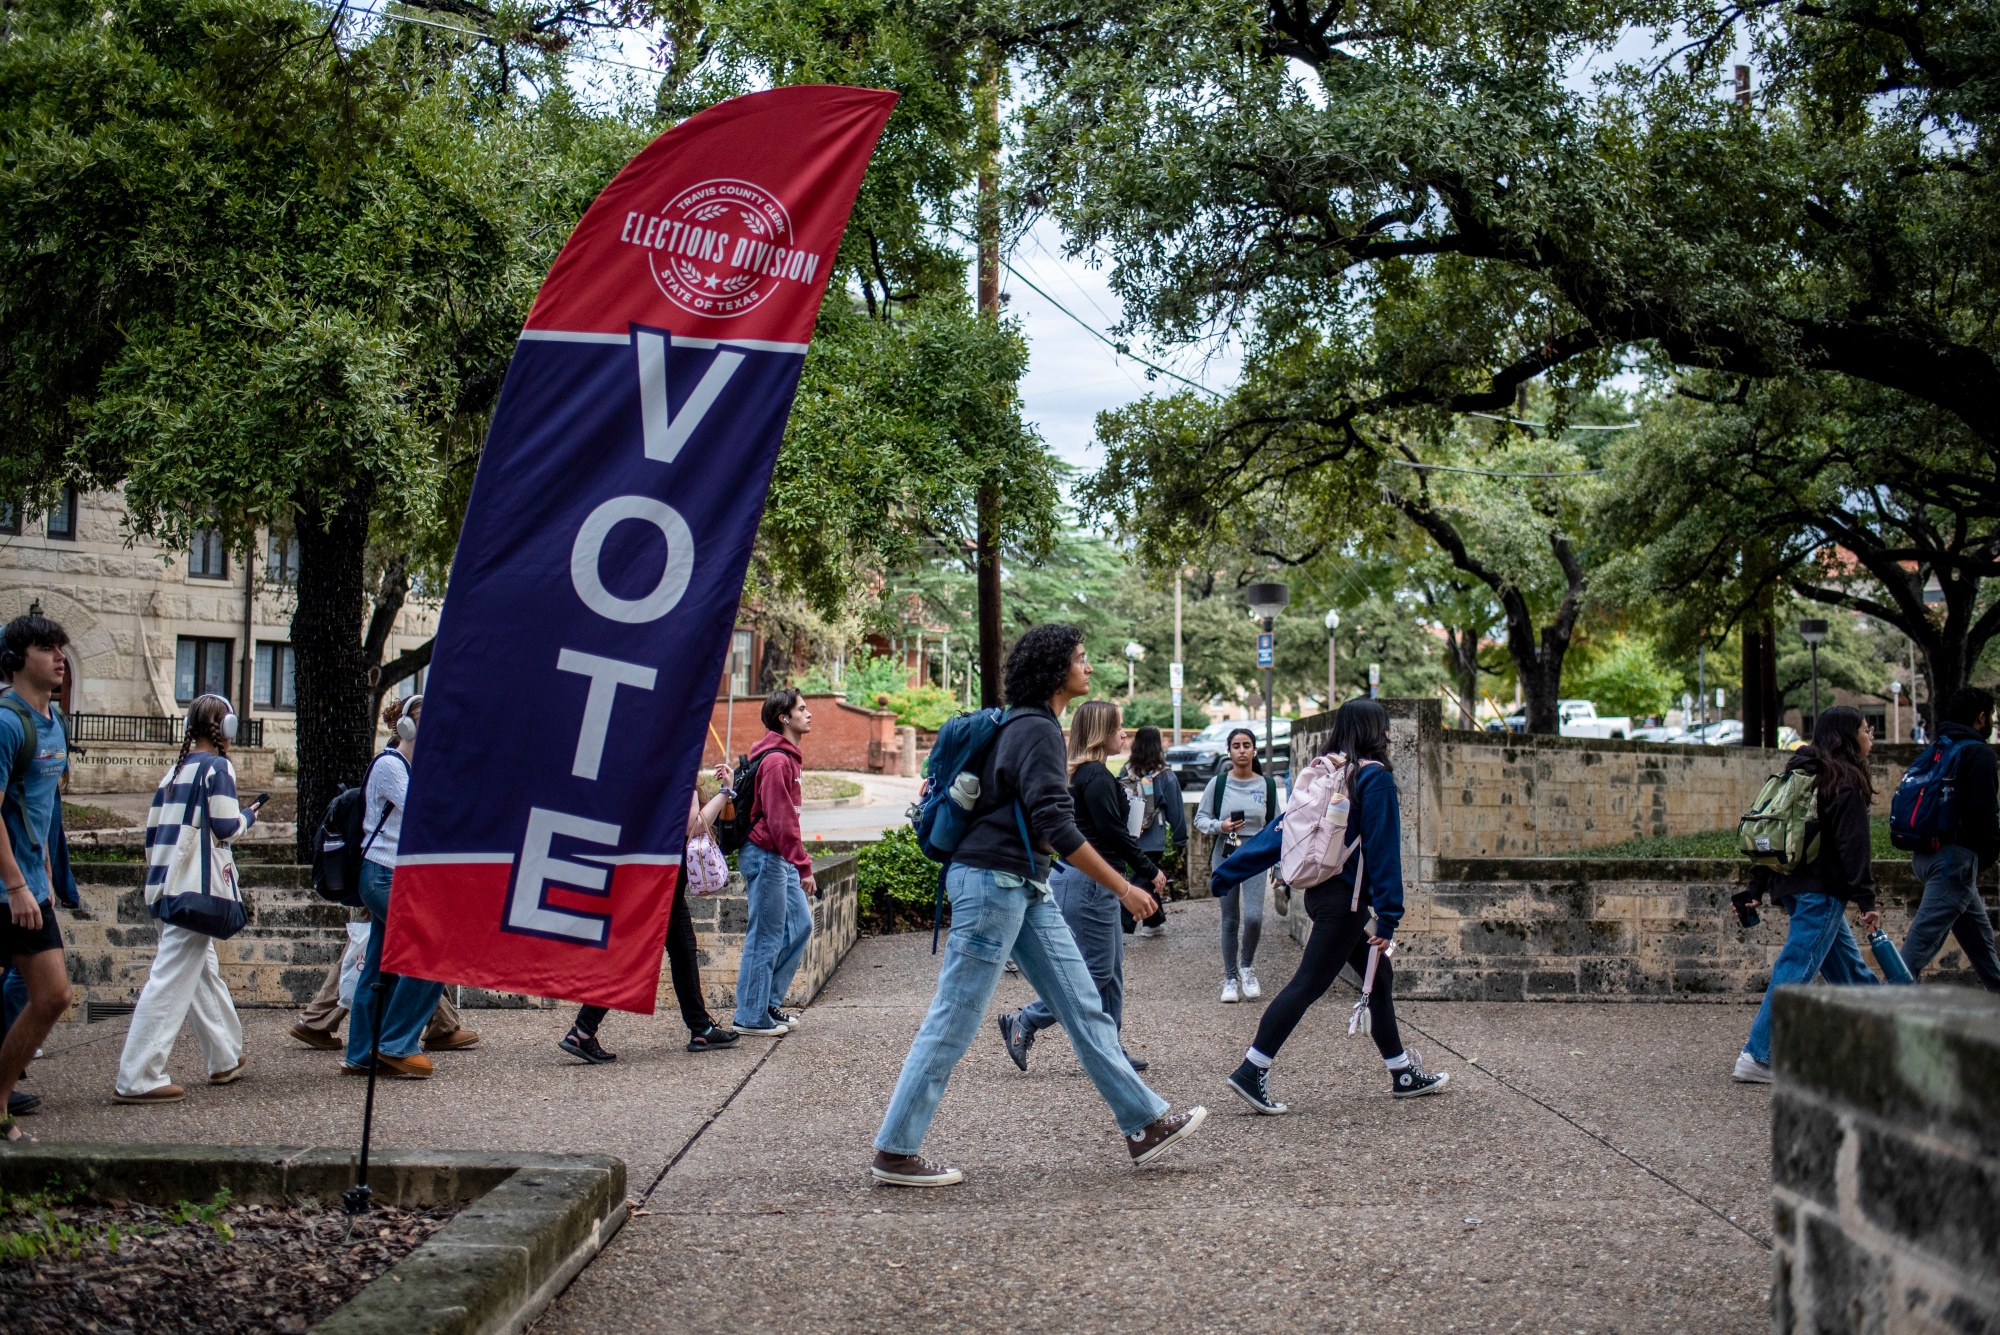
(925, 707)
(873, 676)
(893, 875)
(1156, 709)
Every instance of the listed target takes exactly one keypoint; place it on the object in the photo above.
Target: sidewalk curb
(533, 1220)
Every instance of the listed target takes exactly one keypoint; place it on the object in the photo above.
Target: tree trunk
(1751, 706)
(1462, 648)
(335, 733)
(987, 220)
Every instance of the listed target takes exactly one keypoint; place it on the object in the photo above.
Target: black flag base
(358, 1199)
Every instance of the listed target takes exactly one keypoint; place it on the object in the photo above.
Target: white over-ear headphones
(228, 714)
(406, 727)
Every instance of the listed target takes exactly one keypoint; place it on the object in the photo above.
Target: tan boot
(453, 1041)
(164, 1094)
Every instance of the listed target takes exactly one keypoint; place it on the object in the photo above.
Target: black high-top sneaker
(586, 1046)
(1248, 1080)
(1413, 1081)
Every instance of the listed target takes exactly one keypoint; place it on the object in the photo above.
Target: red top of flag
(725, 226)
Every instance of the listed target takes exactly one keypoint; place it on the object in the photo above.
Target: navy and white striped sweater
(168, 815)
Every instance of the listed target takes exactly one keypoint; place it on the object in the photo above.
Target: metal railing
(149, 729)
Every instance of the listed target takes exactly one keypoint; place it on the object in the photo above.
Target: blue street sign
(1264, 649)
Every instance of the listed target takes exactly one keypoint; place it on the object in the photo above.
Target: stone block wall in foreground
(1885, 1161)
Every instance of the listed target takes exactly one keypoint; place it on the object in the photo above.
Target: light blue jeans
(1817, 943)
(781, 926)
(1951, 906)
(994, 914)
(411, 1000)
(1092, 915)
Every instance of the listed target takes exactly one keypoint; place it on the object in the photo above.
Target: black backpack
(732, 831)
(336, 873)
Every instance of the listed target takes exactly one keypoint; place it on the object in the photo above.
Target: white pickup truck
(1578, 718)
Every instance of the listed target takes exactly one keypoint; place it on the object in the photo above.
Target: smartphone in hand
(260, 799)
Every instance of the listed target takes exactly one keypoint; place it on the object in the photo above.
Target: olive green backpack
(1780, 831)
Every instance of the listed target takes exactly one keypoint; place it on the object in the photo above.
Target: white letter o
(590, 543)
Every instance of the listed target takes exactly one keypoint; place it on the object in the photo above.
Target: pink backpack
(1317, 815)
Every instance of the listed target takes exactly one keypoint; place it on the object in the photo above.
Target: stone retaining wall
(1885, 1160)
(1479, 924)
(294, 937)
(138, 767)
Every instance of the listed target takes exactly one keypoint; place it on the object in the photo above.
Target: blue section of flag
(536, 624)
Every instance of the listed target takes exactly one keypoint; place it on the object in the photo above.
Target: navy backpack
(943, 810)
(1923, 814)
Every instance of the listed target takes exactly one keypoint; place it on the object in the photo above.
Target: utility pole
(1178, 670)
(987, 109)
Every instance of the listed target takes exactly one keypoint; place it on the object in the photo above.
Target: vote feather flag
(595, 586)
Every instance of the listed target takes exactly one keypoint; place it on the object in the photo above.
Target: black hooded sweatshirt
(1845, 865)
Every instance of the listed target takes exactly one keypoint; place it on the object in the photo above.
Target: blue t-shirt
(39, 788)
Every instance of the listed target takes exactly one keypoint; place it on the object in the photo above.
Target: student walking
(704, 1035)
(998, 882)
(1370, 885)
(1154, 792)
(318, 1026)
(776, 871)
(34, 756)
(1816, 895)
(1237, 804)
(1950, 873)
(410, 1001)
(195, 801)
(1091, 910)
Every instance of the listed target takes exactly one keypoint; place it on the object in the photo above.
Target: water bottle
(965, 790)
(1890, 958)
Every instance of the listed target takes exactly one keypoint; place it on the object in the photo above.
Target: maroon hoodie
(775, 825)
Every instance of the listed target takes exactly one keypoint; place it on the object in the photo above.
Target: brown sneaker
(229, 1076)
(453, 1041)
(316, 1038)
(164, 1094)
(1162, 1132)
(912, 1170)
(416, 1066)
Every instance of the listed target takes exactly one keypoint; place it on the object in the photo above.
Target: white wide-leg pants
(186, 983)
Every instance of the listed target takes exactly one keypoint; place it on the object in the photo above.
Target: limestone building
(151, 628)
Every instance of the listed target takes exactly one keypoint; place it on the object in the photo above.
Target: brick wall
(1885, 1160)
(843, 736)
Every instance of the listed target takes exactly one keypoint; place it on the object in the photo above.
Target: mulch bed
(216, 1268)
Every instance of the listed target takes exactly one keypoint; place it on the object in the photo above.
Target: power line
(1544, 426)
(1123, 350)
(1486, 472)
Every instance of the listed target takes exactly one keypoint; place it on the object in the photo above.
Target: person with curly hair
(1001, 905)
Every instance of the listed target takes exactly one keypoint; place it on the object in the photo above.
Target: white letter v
(664, 435)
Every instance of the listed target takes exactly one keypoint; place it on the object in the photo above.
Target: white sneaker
(1252, 989)
(1145, 930)
(1750, 1071)
(1231, 992)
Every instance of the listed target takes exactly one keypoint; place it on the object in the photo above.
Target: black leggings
(686, 971)
(1339, 937)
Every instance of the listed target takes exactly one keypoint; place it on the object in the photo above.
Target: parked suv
(1206, 754)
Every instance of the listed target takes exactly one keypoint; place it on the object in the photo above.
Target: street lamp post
(1896, 703)
(1266, 601)
(1134, 651)
(1813, 632)
(1332, 659)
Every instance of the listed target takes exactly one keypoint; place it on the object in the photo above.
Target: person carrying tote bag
(191, 887)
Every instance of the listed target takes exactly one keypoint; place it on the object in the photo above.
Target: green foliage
(925, 707)
(1720, 844)
(871, 678)
(1156, 709)
(894, 870)
(210, 1212)
(1628, 678)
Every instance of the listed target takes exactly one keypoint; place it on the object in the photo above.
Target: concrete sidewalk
(1592, 1168)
